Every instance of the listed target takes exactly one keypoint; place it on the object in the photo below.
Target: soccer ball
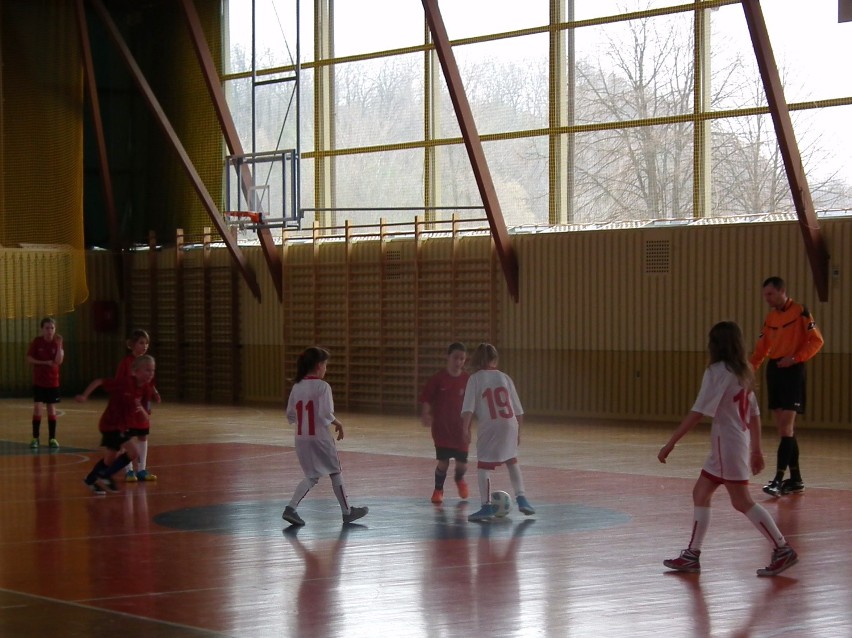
(503, 502)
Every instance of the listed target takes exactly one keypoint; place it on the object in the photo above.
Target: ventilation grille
(657, 256)
(393, 264)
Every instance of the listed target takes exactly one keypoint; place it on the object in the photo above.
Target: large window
(609, 131)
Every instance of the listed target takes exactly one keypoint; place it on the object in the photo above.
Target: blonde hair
(484, 355)
(138, 362)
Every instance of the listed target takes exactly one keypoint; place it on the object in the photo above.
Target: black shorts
(447, 453)
(786, 387)
(45, 395)
(137, 432)
(114, 440)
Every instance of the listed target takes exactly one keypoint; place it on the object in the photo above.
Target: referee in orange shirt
(789, 337)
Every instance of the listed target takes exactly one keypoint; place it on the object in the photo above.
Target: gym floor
(203, 551)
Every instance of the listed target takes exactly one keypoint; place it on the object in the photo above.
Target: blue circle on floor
(404, 519)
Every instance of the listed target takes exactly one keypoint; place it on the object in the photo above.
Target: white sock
(142, 459)
(700, 523)
(302, 490)
(516, 478)
(484, 477)
(764, 522)
(340, 492)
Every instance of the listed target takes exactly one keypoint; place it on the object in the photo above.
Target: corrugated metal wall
(614, 323)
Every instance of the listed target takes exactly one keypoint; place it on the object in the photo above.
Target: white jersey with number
(732, 408)
(490, 395)
(310, 410)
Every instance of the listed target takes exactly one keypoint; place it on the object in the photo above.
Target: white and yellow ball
(502, 503)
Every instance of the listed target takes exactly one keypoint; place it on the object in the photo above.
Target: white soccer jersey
(310, 410)
(731, 407)
(490, 395)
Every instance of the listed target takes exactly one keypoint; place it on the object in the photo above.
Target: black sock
(785, 451)
(51, 428)
(795, 473)
(459, 475)
(440, 477)
(117, 465)
(96, 472)
(36, 427)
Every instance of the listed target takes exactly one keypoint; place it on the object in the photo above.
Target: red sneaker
(438, 497)
(463, 490)
(782, 558)
(686, 562)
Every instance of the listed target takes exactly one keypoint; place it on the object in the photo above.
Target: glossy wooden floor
(203, 552)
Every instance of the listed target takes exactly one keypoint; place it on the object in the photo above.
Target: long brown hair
(725, 344)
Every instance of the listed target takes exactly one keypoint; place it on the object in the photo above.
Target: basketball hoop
(241, 219)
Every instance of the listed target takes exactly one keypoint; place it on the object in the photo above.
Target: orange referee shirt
(790, 331)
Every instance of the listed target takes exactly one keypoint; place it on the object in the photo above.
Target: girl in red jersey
(310, 410)
(138, 343)
(490, 395)
(726, 395)
(45, 354)
(441, 404)
(126, 411)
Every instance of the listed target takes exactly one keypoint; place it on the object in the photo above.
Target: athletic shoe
(130, 477)
(773, 488)
(524, 506)
(782, 558)
(34, 444)
(463, 489)
(54, 444)
(792, 487)
(354, 514)
(107, 484)
(483, 515)
(291, 516)
(438, 496)
(145, 475)
(686, 562)
(96, 489)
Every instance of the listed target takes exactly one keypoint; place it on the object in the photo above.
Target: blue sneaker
(483, 515)
(524, 505)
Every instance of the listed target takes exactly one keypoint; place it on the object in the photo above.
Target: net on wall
(42, 263)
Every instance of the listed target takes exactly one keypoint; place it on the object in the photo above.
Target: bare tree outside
(644, 71)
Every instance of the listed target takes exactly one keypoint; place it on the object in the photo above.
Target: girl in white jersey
(310, 410)
(490, 395)
(726, 396)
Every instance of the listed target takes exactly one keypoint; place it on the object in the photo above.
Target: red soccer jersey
(125, 398)
(44, 350)
(445, 393)
(125, 366)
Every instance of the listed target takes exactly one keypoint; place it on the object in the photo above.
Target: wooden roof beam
(473, 143)
(808, 223)
(232, 138)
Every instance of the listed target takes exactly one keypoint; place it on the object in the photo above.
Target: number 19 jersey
(491, 396)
